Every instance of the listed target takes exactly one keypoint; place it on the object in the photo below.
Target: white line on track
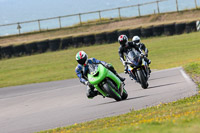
(187, 78)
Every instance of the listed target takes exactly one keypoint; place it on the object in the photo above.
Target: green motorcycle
(106, 82)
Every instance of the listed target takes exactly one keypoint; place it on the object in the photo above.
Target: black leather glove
(125, 69)
(87, 83)
(108, 66)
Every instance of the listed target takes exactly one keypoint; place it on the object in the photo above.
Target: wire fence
(79, 19)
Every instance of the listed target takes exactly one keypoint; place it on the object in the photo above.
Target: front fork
(121, 89)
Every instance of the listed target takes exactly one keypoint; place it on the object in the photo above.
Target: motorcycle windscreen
(133, 57)
(93, 69)
(97, 73)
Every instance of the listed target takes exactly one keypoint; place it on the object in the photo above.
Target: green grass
(194, 71)
(193, 68)
(165, 52)
(182, 116)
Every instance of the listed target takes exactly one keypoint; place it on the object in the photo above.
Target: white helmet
(136, 39)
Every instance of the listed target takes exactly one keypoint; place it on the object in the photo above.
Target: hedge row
(98, 38)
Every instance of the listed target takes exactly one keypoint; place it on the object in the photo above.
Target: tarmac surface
(42, 106)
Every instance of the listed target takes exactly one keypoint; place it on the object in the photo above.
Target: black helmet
(123, 39)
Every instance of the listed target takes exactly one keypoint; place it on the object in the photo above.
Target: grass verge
(194, 71)
(180, 116)
(165, 52)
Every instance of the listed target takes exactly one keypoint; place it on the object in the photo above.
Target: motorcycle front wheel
(110, 88)
(142, 79)
(124, 94)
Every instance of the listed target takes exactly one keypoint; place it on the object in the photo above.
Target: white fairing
(198, 25)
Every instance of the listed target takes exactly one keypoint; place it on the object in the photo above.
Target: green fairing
(99, 89)
(115, 78)
(102, 74)
(95, 80)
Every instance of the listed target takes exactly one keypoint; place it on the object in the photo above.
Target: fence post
(80, 18)
(100, 16)
(139, 9)
(59, 22)
(196, 4)
(19, 28)
(39, 25)
(177, 5)
(119, 13)
(158, 7)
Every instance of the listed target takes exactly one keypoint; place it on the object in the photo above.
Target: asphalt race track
(36, 107)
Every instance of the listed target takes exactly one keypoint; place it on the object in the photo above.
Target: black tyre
(31, 48)
(54, 44)
(134, 32)
(19, 50)
(89, 39)
(100, 38)
(110, 88)
(190, 26)
(169, 29)
(123, 32)
(0, 53)
(142, 79)
(78, 41)
(158, 30)
(179, 28)
(7, 52)
(66, 42)
(112, 36)
(124, 94)
(43, 46)
(147, 31)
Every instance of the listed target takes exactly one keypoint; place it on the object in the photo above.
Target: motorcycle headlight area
(95, 73)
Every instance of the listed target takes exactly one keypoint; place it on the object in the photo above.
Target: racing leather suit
(123, 50)
(143, 47)
(82, 71)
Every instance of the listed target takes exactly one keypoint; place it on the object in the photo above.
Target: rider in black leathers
(136, 40)
(125, 47)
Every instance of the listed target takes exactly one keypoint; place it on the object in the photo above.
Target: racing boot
(147, 60)
(149, 70)
(111, 68)
(125, 69)
(121, 78)
(91, 93)
(130, 76)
